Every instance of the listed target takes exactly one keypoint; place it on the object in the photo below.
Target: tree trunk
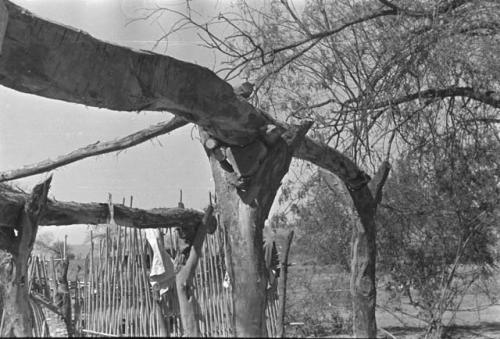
(246, 181)
(364, 252)
(15, 250)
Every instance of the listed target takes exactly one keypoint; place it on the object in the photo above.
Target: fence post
(282, 285)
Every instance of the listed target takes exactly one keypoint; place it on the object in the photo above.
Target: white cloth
(162, 275)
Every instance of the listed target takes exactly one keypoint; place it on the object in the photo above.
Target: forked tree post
(246, 181)
(16, 243)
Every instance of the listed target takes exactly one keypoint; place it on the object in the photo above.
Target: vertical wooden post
(188, 303)
(282, 285)
(63, 297)
(65, 246)
(15, 250)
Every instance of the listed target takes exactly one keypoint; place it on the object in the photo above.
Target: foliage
(322, 221)
(366, 72)
(439, 224)
(318, 301)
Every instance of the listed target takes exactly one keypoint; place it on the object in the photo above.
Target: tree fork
(246, 182)
(15, 250)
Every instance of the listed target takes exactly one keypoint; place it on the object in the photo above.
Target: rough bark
(15, 250)
(55, 61)
(246, 182)
(69, 213)
(188, 304)
(364, 254)
(363, 257)
(282, 285)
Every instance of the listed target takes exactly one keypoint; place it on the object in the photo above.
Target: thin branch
(95, 149)
(485, 96)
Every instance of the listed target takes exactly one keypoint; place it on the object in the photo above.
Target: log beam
(59, 62)
(58, 213)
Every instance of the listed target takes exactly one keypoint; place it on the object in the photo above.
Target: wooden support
(188, 303)
(69, 213)
(62, 298)
(16, 243)
(282, 284)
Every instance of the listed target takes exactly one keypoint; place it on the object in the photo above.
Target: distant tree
(439, 225)
(45, 244)
(369, 73)
(322, 218)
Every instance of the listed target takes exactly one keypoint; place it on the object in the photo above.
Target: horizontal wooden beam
(58, 213)
(55, 61)
(59, 62)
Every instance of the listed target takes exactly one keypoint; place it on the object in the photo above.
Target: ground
(319, 303)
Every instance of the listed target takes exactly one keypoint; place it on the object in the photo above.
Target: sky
(33, 128)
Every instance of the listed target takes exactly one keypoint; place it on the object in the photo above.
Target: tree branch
(485, 96)
(95, 149)
(377, 184)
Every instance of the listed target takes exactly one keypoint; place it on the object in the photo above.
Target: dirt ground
(317, 292)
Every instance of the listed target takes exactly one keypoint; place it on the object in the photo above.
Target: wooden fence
(116, 295)
(117, 299)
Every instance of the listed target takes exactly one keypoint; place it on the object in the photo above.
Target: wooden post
(62, 295)
(188, 303)
(246, 181)
(16, 243)
(65, 246)
(282, 285)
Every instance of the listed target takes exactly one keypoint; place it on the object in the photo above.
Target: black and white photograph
(250, 168)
